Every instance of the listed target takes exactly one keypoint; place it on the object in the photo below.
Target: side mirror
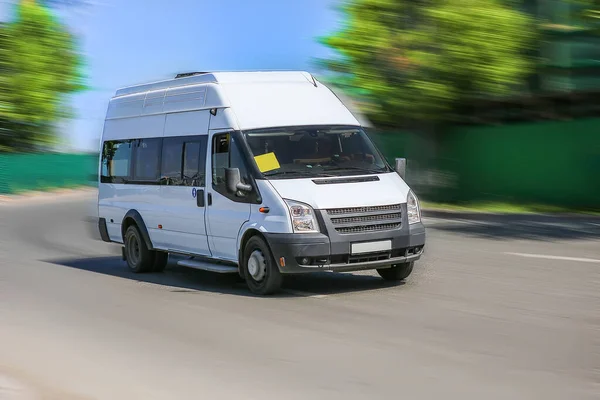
(233, 181)
(401, 167)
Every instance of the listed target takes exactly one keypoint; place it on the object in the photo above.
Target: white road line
(304, 294)
(587, 260)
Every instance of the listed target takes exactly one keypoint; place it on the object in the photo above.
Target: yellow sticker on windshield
(267, 162)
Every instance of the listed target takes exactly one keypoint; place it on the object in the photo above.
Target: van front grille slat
(363, 210)
(367, 228)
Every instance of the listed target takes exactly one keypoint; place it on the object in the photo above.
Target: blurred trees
(39, 67)
(589, 10)
(419, 60)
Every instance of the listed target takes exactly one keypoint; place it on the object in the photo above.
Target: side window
(183, 161)
(116, 161)
(193, 172)
(147, 160)
(172, 162)
(226, 154)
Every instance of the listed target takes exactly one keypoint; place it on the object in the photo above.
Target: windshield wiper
(339, 168)
(306, 173)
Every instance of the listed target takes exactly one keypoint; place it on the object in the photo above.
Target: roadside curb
(507, 217)
(48, 196)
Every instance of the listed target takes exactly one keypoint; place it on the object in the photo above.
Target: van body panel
(224, 120)
(286, 104)
(390, 189)
(187, 123)
(116, 200)
(276, 220)
(154, 102)
(224, 216)
(142, 127)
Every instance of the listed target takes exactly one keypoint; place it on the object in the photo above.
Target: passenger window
(226, 154)
(183, 161)
(116, 161)
(170, 171)
(191, 164)
(147, 156)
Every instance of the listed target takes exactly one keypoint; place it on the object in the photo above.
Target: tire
(261, 273)
(139, 258)
(397, 272)
(161, 260)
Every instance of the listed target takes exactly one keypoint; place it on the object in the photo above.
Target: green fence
(22, 172)
(553, 163)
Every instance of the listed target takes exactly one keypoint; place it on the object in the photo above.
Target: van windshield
(294, 152)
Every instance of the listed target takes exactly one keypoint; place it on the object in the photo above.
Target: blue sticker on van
(194, 192)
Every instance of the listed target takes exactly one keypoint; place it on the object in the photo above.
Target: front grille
(360, 210)
(366, 219)
(370, 218)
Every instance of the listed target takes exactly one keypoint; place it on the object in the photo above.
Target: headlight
(303, 217)
(414, 210)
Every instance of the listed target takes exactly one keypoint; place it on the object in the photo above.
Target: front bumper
(301, 253)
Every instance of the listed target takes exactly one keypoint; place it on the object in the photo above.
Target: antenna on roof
(186, 74)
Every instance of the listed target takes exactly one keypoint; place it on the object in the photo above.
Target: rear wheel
(261, 272)
(139, 258)
(397, 272)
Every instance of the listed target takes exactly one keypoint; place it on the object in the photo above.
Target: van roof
(257, 99)
(195, 78)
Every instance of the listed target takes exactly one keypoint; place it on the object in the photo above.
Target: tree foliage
(417, 60)
(40, 66)
(587, 10)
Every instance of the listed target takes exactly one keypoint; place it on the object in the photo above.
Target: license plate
(371, 247)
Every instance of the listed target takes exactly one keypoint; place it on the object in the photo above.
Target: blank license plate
(371, 247)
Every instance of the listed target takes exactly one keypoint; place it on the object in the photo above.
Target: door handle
(210, 199)
(200, 198)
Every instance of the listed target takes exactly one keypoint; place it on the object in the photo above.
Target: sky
(127, 42)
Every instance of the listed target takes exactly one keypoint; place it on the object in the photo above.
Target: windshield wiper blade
(306, 173)
(371, 171)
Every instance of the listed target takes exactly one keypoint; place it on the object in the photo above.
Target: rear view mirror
(233, 181)
(401, 167)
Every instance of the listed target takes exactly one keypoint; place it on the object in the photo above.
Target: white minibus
(255, 173)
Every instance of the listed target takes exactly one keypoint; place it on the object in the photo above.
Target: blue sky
(131, 41)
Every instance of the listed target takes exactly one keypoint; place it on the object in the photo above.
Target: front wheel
(261, 272)
(397, 272)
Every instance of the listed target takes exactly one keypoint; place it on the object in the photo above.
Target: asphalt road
(493, 311)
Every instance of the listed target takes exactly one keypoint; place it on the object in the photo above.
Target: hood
(389, 188)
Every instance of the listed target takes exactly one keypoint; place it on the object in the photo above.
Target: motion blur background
(495, 103)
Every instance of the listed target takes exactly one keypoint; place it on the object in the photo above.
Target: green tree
(40, 68)
(417, 60)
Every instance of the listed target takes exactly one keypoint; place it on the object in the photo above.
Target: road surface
(493, 311)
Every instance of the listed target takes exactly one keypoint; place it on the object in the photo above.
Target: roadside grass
(506, 208)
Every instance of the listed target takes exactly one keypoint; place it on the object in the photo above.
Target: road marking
(587, 260)
(304, 294)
